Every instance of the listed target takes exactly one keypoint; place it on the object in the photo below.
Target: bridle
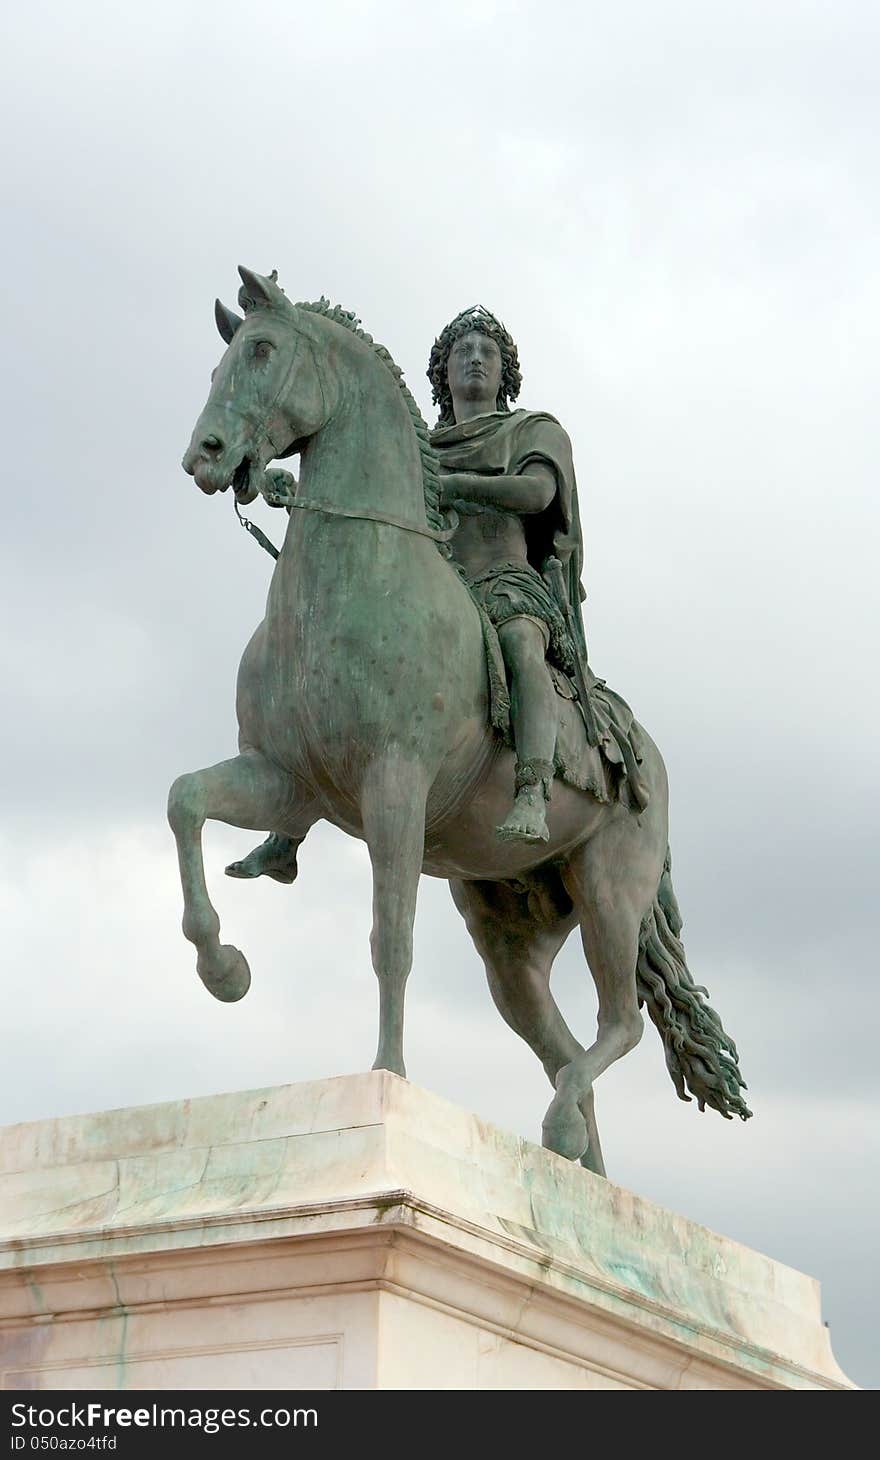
(327, 509)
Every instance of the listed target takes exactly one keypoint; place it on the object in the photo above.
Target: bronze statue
(375, 694)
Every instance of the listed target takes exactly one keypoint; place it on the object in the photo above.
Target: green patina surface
(421, 680)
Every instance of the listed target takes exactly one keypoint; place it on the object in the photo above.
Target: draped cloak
(505, 444)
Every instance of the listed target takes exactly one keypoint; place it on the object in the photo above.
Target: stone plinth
(359, 1233)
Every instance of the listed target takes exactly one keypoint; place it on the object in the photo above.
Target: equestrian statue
(421, 680)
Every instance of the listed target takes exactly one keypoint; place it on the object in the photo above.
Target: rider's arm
(529, 493)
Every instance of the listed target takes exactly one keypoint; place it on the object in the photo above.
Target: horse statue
(364, 699)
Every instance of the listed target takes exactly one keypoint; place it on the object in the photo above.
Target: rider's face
(474, 371)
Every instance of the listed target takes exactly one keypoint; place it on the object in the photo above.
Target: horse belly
(466, 845)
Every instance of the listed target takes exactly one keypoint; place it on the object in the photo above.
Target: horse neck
(367, 454)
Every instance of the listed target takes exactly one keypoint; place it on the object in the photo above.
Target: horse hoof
(565, 1131)
(226, 974)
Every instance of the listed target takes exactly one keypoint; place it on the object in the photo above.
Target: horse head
(266, 398)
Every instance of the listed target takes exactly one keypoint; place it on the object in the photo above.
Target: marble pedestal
(360, 1233)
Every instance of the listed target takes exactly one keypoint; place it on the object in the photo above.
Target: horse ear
(257, 291)
(227, 321)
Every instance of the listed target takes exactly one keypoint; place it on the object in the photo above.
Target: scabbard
(581, 685)
(552, 575)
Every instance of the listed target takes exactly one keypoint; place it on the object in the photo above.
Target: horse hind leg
(610, 909)
(247, 791)
(518, 946)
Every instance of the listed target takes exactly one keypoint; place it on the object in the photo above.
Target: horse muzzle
(210, 462)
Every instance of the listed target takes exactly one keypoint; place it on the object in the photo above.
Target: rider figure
(509, 476)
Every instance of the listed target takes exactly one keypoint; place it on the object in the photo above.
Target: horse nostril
(212, 445)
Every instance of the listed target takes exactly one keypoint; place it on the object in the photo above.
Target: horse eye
(263, 349)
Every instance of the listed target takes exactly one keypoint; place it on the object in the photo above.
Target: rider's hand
(279, 484)
(450, 488)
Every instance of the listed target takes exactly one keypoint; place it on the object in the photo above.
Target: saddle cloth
(611, 770)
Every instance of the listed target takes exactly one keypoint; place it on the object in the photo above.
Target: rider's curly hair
(475, 318)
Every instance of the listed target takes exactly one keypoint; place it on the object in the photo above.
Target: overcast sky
(674, 208)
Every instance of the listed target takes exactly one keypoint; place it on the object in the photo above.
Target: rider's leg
(533, 718)
(275, 857)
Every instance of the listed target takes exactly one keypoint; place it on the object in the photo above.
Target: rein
(256, 532)
(310, 504)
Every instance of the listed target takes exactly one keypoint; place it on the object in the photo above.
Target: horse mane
(427, 454)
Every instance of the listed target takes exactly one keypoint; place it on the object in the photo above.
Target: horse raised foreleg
(393, 811)
(248, 791)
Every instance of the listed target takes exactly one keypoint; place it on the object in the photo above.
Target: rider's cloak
(505, 443)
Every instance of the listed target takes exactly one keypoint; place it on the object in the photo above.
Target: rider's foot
(275, 857)
(527, 821)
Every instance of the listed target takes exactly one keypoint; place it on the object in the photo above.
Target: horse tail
(700, 1057)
